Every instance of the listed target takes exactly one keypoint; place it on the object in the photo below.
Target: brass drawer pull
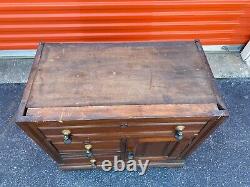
(124, 125)
(88, 150)
(93, 162)
(67, 138)
(131, 155)
(179, 132)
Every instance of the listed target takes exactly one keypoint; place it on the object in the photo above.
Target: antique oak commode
(85, 103)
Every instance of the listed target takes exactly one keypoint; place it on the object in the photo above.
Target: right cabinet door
(156, 148)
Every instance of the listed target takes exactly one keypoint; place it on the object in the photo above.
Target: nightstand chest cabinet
(85, 103)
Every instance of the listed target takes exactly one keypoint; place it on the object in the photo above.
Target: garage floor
(222, 160)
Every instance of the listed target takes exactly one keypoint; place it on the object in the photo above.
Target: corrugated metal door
(24, 23)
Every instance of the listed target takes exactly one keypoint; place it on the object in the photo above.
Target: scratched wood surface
(121, 74)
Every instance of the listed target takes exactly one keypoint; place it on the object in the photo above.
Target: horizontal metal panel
(23, 24)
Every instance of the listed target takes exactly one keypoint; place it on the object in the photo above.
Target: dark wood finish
(163, 148)
(120, 98)
(120, 74)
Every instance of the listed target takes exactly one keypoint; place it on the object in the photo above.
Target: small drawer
(98, 147)
(163, 126)
(86, 161)
(77, 130)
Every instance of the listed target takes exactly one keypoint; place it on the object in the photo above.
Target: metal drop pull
(124, 125)
(131, 155)
(88, 150)
(67, 139)
(179, 132)
(93, 162)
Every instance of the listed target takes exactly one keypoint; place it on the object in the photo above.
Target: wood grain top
(74, 75)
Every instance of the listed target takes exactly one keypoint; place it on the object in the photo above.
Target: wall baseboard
(31, 53)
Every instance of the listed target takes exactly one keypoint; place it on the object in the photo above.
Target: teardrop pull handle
(93, 162)
(88, 150)
(179, 132)
(67, 138)
(131, 155)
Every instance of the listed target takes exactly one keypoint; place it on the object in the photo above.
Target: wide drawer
(122, 129)
(115, 135)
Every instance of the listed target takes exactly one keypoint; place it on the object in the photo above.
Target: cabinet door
(157, 149)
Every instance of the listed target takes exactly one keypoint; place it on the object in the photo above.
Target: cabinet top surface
(74, 75)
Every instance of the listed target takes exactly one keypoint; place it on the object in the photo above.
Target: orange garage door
(24, 23)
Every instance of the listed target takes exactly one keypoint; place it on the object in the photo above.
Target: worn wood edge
(167, 163)
(47, 126)
(22, 106)
(121, 112)
(220, 103)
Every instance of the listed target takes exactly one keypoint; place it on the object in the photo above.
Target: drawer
(86, 161)
(98, 147)
(80, 137)
(122, 129)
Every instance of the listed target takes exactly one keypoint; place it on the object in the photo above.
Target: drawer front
(103, 137)
(80, 132)
(98, 147)
(78, 160)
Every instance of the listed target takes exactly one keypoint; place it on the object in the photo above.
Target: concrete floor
(223, 65)
(222, 160)
(228, 65)
(14, 70)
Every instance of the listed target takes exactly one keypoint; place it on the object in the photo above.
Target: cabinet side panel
(40, 140)
(205, 132)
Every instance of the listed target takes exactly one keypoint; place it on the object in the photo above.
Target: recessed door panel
(156, 148)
